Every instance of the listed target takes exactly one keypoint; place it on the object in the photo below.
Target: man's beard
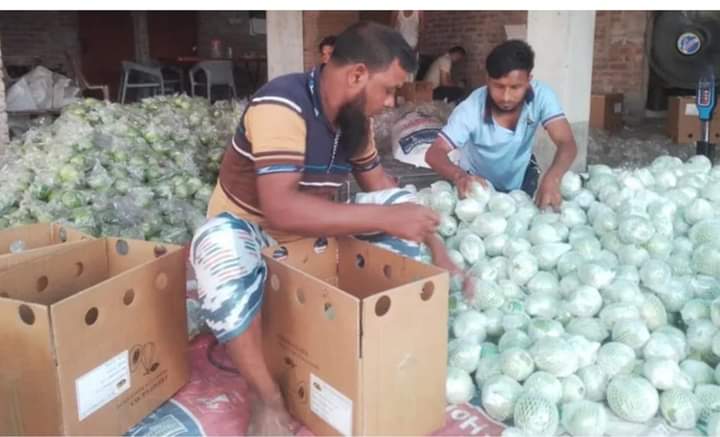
(354, 124)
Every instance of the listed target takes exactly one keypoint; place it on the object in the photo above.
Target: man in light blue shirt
(494, 130)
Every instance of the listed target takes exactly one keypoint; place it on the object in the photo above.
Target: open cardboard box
(357, 337)
(92, 337)
(37, 240)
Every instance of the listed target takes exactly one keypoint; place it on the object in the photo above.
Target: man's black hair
(327, 41)
(458, 50)
(374, 45)
(511, 55)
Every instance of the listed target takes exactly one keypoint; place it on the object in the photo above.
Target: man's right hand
(410, 221)
(464, 183)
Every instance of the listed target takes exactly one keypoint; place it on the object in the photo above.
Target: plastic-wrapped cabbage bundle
(97, 154)
(499, 394)
(632, 398)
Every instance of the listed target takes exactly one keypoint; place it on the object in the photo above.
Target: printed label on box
(102, 384)
(691, 109)
(331, 405)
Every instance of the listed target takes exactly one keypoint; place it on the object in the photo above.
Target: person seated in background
(326, 47)
(440, 74)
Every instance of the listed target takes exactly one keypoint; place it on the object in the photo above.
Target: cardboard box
(606, 111)
(38, 239)
(418, 92)
(683, 124)
(356, 336)
(92, 337)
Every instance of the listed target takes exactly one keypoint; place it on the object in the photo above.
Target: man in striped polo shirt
(300, 138)
(494, 130)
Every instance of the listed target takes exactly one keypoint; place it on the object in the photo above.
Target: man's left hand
(548, 193)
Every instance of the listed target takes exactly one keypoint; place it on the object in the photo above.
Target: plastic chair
(80, 80)
(172, 76)
(216, 73)
(148, 78)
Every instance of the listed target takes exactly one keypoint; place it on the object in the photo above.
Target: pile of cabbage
(610, 303)
(142, 171)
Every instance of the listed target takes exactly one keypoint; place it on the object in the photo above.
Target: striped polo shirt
(284, 130)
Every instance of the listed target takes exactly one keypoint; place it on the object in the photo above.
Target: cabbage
(457, 258)
(700, 335)
(633, 255)
(543, 305)
(590, 328)
(635, 230)
(585, 350)
(584, 302)
(516, 363)
(595, 275)
(545, 385)
(539, 328)
(615, 312)
(516, 246)
(595, 381)
(695, 309)
(653, 312)
(706, 260)
(584, 418)
(448, 225)
(569, 283)
(632, 398)
(621, 290)
(502, 204)
(493, 322)
(584, 198)
(498, 397)
(548, 254)
(468, 209)
(480, 193)
(697, 211)
(659, 247)
(708, 395)
(572, 215)
(680, 408)
(568, 263)
(543, 233)
(570, 185)
(580, 232)
(495, 244)
(472, 248)
(459, 387)
(655, 274)
(604, 222)
(554, 355)
(489, 223)
(713, 425)
(443, 201)
(698, 371)
(573, 388)
(510, 290)
(463, 354)
(487, 367)
(470, 325)
(665, 374)
(535, 415)
(632, 332)
(705, 231)
(488, 295)
(615, 358)
(514, 338)
(515, 321)
(543, 282)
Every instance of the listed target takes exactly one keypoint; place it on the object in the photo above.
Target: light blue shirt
(489, 150)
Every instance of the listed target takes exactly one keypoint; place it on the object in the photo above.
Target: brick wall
(319, 24)
(477, 31)
(39, 34)
(232, 28)
(4, 136)
(620, 62)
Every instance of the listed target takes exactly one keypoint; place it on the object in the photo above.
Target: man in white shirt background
(409, 24)
(440, 74)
